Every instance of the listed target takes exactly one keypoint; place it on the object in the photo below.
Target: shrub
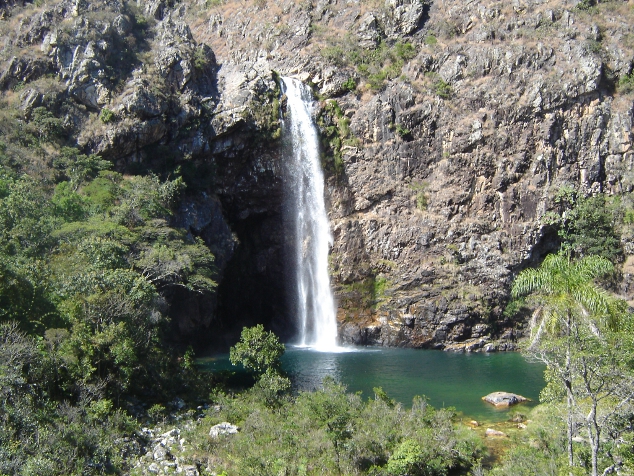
(407, 459)
(431, 40)
(586, 5)
(593, 46)
(200, 58)
(442, 89)
(257, 351)
(626, 83)
(421, 197)
(588, 229)
(402, 131)
(349, 84)
(106, 116)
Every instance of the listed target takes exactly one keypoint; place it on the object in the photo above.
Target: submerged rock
(504, 399)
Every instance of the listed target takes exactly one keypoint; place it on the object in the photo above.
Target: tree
(575, 331)
(407, 459)
(586, 225)
(335, 411)
(258, 350)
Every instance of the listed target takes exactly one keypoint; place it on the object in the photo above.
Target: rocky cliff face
(448, 128)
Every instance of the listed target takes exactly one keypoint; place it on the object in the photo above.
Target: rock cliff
(448, 127)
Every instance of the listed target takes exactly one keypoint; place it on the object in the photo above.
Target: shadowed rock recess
(447, 129)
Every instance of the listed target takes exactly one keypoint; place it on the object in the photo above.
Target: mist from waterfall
(314, 301)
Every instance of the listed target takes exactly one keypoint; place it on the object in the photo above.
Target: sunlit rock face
(445, 166)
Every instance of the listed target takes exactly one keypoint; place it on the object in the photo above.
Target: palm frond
(567, 295)
(592, 267)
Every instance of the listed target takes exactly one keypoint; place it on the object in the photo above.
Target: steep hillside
(452, 132)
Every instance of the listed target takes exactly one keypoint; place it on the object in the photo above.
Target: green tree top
(258, 350)
(564, 289)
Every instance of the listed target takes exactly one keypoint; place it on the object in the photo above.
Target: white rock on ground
(224, 428)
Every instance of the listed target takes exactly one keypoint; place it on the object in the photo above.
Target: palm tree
(569, 305)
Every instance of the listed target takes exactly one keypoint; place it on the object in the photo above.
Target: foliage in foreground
(85, 270)
(326, 431)
(583, 335)
(329, 431)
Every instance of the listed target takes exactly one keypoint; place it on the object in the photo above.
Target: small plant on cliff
(349, 84)
(626, 83)
(442, 89)
(586, 226)
(586, 5)
(336, 133)
(200, 58)
(402, 132)
(106, 116)
(430, 40)
(421, 197)
(384, 62)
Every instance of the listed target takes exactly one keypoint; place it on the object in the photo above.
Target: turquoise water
(445, 378)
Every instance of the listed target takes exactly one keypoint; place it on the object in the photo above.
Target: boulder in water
(504, 399)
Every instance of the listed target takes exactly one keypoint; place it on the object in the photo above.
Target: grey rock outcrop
(504, 399)
(222, 429)
(166, 453)
(491, 433)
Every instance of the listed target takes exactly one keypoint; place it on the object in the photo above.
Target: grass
(383, 63)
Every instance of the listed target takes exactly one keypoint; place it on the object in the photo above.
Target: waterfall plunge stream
(314, 302)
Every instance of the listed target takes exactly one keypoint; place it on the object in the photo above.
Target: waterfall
(314, 302)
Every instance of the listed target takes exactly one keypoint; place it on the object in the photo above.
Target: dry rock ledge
(504, 399)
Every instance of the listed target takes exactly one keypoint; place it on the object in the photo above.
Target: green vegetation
(593, 46)
(106, 116)
(259, 352)
(365, 294)
(581, 333)
(438, 86)
(442, 89)
(626, 83)
(421, 196)
(200, 58)
(89, 316)
(587, 226)
(329, 431)
(264, 112)
(431, 40)
(335, 133)
(349, 84)
(376, 65)
(586, 5)
(88, 260)
(401, 131)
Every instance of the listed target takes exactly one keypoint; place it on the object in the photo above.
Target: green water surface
(445, 378)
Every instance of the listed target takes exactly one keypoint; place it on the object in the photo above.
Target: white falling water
(315, 306)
